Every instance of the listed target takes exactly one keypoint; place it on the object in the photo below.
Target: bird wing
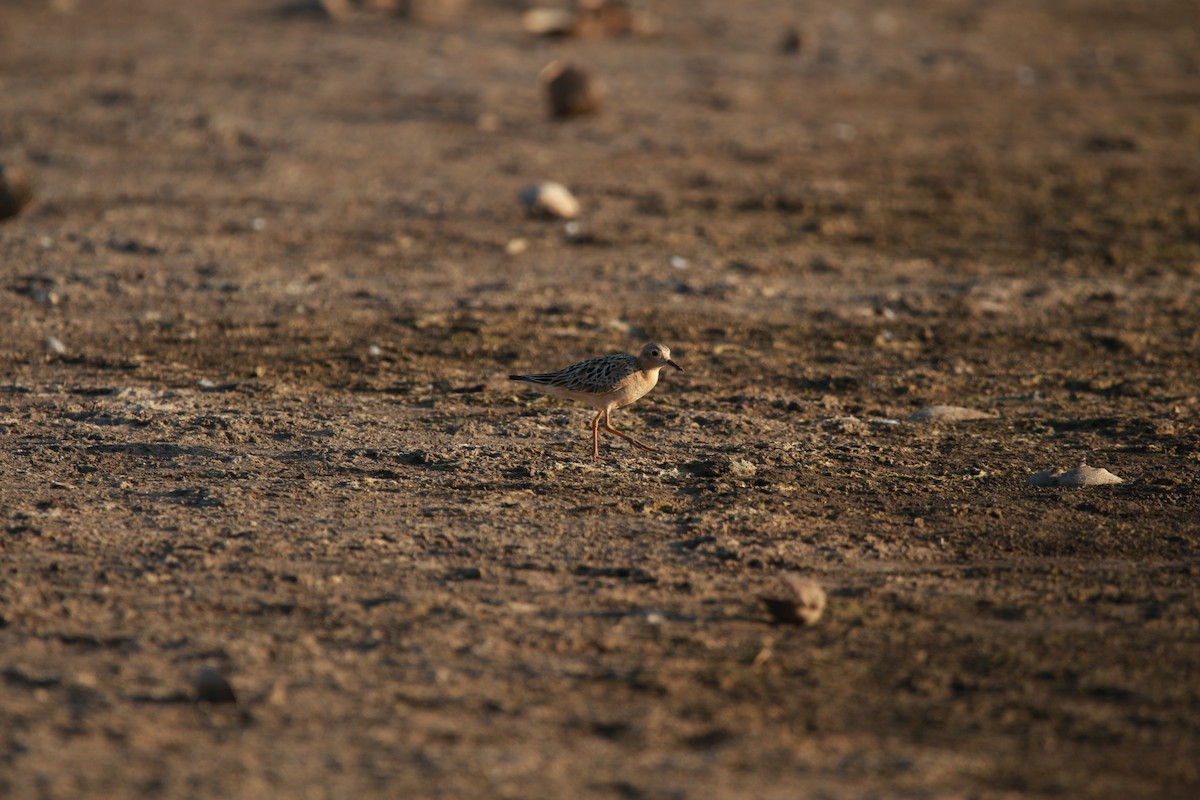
(596, 375)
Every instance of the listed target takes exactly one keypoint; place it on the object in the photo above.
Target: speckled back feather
(596, 375)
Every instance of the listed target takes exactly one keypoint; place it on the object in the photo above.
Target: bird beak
(676, 366)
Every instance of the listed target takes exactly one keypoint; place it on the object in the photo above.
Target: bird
(606, 383)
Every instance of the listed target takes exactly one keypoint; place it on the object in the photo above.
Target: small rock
(1047, 477)
(1102, 143)
(465, 574)
(721, 467)
(849, 425)
(607, 18)
(949, 414)
(15, 191)
(741, 468)
(1080, 475)
(278, 696)
(803, 607)
(429, 12)
(316, 9)
(1083, 475)
(548, 22)
(577, 234)
(55, 346)
(549, 199)
(515, 247)
(590, 18)
(800, 42)
(570, 91)
(213, 687)
(792, 41)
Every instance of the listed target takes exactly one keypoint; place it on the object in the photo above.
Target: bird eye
(655, 353)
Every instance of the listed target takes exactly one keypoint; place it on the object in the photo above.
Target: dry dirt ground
(254, 338)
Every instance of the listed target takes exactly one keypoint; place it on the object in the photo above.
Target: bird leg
(596, 436)
(608, 427)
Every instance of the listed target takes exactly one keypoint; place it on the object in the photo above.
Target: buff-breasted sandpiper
(606, 383)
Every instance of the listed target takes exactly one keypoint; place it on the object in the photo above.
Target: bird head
(655, 355)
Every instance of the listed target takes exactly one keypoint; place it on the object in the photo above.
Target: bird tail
(530, 378)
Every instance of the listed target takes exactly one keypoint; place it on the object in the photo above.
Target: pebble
(791, 41)
(548, 22)
(590, 18)
(1080, 475)
(741, 468)
(549, 199)
(805, 605)
(15, 191)
(570, 91)
(465, 574)
(55, 346)
(316, 9)
(435, 12)
(801, 42)
(212, 687)
(949, 414)
(425, 11)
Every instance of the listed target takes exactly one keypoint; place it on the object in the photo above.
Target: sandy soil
(254, 338)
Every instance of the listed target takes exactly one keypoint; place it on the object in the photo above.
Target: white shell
(549, 199)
